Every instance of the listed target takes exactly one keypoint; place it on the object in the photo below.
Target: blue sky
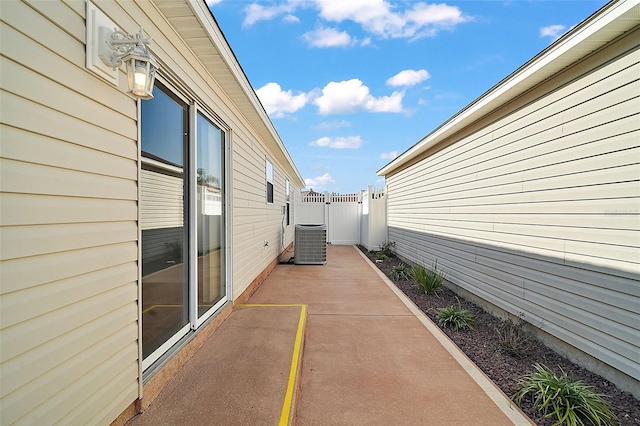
(350, 84)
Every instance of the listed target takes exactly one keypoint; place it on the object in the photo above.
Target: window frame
(269, 178)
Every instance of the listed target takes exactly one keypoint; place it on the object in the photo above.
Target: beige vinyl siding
(68, 191)
(69, 208)
(536, 209)
(255, 221)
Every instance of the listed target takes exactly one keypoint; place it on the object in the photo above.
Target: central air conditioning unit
(310, 245)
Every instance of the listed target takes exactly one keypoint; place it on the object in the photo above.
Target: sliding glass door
(165, 292)
(210, 212)
(182, 216)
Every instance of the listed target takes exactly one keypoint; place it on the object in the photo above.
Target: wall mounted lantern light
(116, 48)
(108, 48)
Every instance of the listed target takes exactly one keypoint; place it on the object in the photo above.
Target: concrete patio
(330, 345)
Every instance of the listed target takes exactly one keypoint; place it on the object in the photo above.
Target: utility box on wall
(310, 245)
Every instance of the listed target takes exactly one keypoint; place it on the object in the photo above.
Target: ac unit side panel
(310, 245)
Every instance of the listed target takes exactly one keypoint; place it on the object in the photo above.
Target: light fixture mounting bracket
(115, 44)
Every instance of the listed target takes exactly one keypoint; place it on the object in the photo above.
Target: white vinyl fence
(358, 218)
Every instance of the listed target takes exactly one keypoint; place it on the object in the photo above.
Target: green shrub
(419, 274)
(387, 248)
(514, 340)
(430, 280)
(400, 272)
(456, 317)
(381, 256)
(571, 402)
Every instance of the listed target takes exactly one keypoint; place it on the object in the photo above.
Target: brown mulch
(481, 345)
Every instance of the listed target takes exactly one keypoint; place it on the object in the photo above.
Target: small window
(288, 213)
(269, 176)
(287, 189)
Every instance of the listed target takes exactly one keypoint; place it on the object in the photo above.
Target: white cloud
(212, 2)
(349, 96)
(348, 142)
(380, 17)
(440, 15)
(408, 78)
(327, 37)
(553, 31)
(278, 102)
(291, 18)
(319, 183)
(330, 125)
(256, 12)
(392, 103)
(389, 155)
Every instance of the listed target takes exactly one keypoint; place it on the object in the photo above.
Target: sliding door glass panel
(210, 231)
(164, 127)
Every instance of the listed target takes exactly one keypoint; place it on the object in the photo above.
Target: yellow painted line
(295, 357)
(152, 307)
(267, 305)
(288, 399)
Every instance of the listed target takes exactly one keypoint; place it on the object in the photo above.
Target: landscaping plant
(419, 274)
(430, 280)
(387, 248)
(400, 272)
(456, 317)
(513, 339)
(381, 256)
(571, 402)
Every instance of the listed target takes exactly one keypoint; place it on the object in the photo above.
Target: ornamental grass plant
(513, 339)
(400, 272)
(570, 402)
(456, 317)
(429, 280)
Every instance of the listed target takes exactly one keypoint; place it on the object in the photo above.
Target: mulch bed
(482, 346)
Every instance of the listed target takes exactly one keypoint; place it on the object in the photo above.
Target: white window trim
(269, 167)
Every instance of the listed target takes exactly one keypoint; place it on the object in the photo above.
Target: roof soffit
(195, 24)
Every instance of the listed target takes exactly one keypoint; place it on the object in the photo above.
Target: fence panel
(311, 211)
(378, 218)
(344, 220)
(358, 218)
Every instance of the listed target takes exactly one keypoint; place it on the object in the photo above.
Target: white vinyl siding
(537, 208)
(68, 211)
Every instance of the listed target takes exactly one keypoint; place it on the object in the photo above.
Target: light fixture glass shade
(141, 72)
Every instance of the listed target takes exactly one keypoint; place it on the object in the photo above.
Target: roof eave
(242, 93)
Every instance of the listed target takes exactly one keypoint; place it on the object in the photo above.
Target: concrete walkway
(330, 345)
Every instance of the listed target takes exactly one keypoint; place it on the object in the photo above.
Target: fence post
(327, 218)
